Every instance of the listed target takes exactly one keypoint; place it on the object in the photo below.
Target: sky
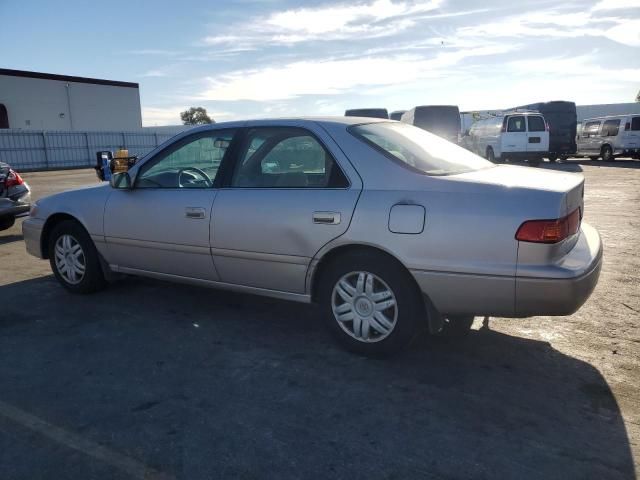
(270, 58)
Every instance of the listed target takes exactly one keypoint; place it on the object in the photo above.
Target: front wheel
(490, 155)
(607, 154)
(74, 258)
(370, 303)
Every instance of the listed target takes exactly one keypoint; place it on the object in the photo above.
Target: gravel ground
(154, 380)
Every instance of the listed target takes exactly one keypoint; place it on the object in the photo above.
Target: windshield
(420, 150)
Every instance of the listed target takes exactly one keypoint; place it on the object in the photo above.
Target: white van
(523, 135)
(609, 137)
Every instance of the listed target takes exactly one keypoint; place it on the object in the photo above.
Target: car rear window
(536, 124)
(418, 149)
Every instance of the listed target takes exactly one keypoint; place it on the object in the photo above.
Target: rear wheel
(7, 222)
(553, 158)
(490, 155)
(370, 303)
(74, 258)
(607, 154)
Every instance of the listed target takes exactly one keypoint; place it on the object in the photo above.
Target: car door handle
(194, 212)
(326, 218)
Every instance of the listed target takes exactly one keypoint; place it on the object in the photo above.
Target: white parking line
(74, 441)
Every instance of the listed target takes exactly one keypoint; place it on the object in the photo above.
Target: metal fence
(28, 150)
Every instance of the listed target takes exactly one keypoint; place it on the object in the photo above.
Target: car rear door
(515, 139)
(162, 225)
(291, 192)
(537, 134)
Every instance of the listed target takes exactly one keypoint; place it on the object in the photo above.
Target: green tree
(196, 116)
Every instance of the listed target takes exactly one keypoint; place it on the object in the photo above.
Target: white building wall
(46, 104)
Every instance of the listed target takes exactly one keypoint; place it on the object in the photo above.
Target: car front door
(286, 198)
(162, 225)
(515, 138)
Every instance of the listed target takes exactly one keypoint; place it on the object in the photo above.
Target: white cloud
(330, 77)
(555, 24)
(334, 22)
(627, 33)
(616, 4)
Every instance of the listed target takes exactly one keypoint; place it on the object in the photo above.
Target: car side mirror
(121, 180)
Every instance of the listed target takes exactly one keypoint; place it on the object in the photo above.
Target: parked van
(367, 112)
(562, 120)
(610, 137)
(523, 135)
(442, 120)
(396, 115)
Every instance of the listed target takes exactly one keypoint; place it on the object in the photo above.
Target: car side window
(610, 128)
(285, 157)
(193, 163)
(590, 129)
(536, 124)
(516, 124)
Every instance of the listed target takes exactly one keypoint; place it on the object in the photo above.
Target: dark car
(442, 120)
(367, 112)
(15, 196)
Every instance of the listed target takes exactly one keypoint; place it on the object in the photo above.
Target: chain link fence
(30, 150)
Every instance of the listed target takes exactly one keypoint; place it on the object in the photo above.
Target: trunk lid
(569, 185)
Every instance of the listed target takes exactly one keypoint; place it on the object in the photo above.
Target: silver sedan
(385, 226)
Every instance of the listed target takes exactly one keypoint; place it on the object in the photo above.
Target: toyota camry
(388, 228)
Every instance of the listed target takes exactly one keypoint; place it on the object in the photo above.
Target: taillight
(627, 126)
(549, 231)
(13, 179)
(546, 126)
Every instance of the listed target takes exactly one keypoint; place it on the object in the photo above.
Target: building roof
(66, 78)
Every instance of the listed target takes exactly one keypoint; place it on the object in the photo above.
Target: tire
(70, 245)
(7, 222)
(345, 289)
(456, 326)
(607, 154)
(552, 158)
(490, 155)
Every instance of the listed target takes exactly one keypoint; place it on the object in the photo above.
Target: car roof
(265, 122)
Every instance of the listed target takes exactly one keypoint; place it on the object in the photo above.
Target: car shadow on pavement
(4, 239)
(203, 384)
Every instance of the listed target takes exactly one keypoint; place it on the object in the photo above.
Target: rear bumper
(565, 286)
(16, 207)
(558, 289)
(32, 233)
